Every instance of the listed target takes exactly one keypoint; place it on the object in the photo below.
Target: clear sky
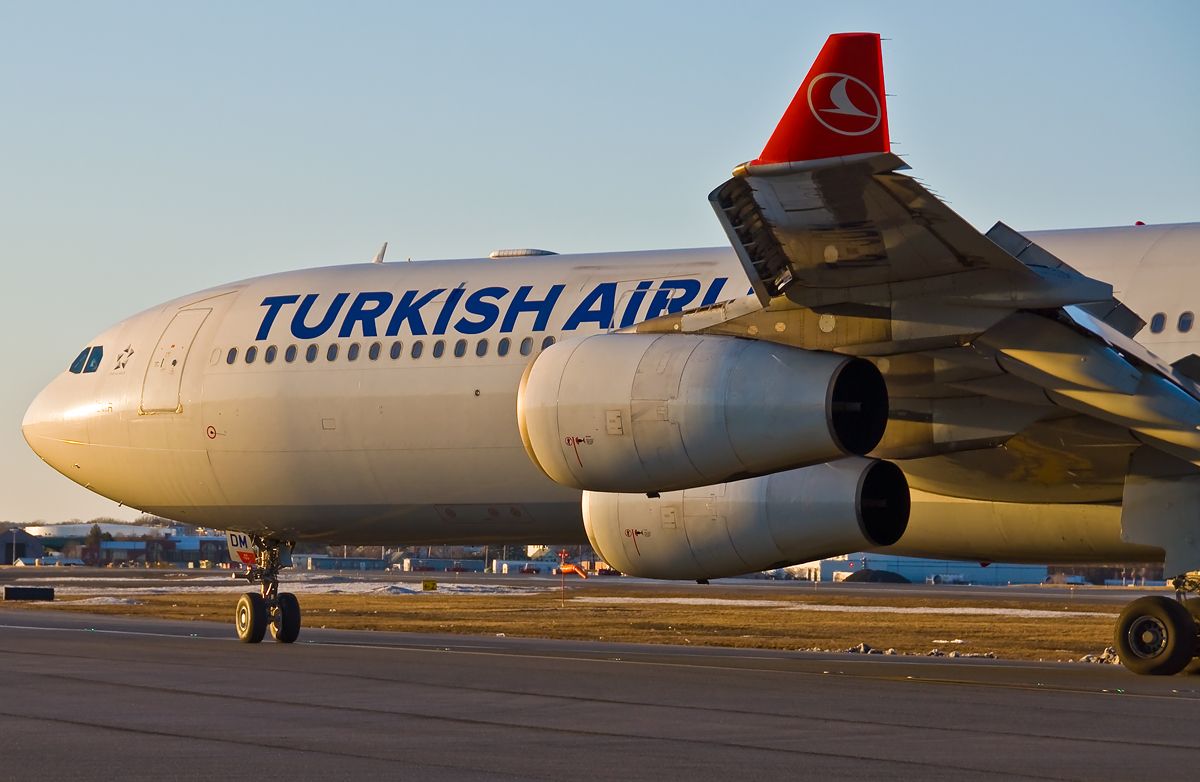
(149, 149)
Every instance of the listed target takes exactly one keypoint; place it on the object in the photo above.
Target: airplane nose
(52, 420)
(35, 416)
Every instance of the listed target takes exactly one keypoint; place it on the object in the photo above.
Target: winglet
(839, 109)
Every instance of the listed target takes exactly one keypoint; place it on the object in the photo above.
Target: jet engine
(652, 413)
(760, 523)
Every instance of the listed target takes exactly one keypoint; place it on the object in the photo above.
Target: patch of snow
(482, 589)
(102, 601)
(317, 587)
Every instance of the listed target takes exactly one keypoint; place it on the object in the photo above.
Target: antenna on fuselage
(379, 255)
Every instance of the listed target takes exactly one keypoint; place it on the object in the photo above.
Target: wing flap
(846, 225)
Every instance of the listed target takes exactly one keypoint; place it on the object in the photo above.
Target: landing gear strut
(268, 609)
(1157, 635)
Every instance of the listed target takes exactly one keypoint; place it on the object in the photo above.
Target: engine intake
(652, 413)
(765, 522)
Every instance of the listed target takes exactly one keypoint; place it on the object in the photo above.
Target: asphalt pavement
(89, 697)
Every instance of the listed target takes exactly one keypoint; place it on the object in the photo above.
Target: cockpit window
(77, 364)
(94, 359)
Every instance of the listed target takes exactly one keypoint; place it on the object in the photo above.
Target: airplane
(859, 369)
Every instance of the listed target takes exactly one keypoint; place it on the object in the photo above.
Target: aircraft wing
(1011, 375)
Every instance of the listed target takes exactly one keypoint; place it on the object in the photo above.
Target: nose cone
(54, 422)
(32, 423)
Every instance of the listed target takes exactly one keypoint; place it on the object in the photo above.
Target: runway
(90, 697)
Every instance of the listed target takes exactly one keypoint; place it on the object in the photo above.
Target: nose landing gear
(268, 609)
(1157, 635)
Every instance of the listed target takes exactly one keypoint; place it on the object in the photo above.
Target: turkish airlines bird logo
(844, 104)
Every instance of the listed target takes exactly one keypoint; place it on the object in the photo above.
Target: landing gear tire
(285, 628)
(1156, 636)
(269, 609)
(251, 618)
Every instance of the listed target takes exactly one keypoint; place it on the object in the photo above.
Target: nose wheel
(1157, 635)
(251, 618)
(268, 609)
(286, 625)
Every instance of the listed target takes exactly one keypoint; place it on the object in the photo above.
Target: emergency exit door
(164, 375)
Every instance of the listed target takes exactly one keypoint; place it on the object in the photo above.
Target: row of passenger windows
(373, 351)
(1183, 324)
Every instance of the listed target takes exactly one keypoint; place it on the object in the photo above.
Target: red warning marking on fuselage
(574, 443)
(634, 534)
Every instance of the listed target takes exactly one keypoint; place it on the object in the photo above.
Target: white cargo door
(160, 389)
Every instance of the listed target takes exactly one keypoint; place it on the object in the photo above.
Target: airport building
(116, 545)
(17, 545)
(339, 564)
(926, 571)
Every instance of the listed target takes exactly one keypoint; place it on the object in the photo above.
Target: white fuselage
(375, 403)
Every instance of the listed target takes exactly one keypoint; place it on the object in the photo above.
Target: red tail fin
(839, 108)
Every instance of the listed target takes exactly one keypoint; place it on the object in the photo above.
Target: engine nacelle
(658, 412)
(756, 524)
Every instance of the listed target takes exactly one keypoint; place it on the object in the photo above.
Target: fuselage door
(160, 389)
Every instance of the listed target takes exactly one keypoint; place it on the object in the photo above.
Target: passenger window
(352, 353)
(502, 346)
(526, 346)
(1157, 323)
(1185, 322)
(547, 342)
(481, 347)
(289, 355)
(460, 348)
(417, 348)
(251, 354)
(439, 348)
(331, 353)
(397, 350)
(373, 351)
(93, 360)
(80, 360)
(310, 355)
(231, 356)
(269, 355)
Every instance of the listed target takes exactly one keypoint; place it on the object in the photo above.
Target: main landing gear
(1158, 635)
(268, 609)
